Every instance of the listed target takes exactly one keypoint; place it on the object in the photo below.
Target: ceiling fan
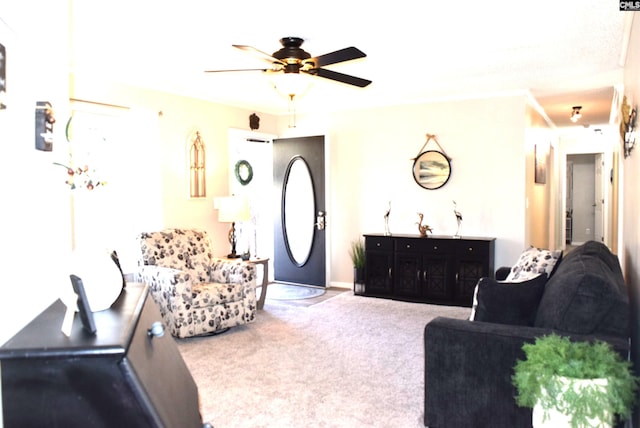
(291, 58)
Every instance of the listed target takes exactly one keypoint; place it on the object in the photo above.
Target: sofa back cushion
(586, 294)
(184, 249)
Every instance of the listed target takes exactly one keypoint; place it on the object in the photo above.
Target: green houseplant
(545, 382)
(356, 252)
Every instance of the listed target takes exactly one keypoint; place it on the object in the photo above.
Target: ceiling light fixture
(292, 85)
(575, 114)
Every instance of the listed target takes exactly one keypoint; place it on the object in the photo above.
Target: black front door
(298, 174)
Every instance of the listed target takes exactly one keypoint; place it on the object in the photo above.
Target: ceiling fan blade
(340, 77)
(262, 55)
(239, 69)
(346, 54)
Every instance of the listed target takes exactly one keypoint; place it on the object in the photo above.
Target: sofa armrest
(502, 273)
(468, 369)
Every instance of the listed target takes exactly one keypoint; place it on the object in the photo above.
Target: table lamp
(232, 209)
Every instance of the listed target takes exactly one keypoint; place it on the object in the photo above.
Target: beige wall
(178, 118)
(371, 154)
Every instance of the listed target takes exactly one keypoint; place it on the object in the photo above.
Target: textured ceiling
(563, 53)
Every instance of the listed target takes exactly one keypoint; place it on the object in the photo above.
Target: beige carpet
(348, 361)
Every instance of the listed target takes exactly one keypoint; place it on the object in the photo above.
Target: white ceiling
(564, 53)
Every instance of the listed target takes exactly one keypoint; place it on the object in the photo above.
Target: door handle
(320, 220)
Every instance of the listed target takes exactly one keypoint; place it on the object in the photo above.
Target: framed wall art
(3, 76)
(540, 164)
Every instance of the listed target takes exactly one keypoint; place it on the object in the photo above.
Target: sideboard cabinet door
(378, 271)
(474, 260)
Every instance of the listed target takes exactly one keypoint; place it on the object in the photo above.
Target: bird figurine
(386, 221)
(423, 228)
(458, 219)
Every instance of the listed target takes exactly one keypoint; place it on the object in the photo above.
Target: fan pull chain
(292, 111)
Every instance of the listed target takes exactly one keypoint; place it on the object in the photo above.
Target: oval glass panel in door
(298, 207)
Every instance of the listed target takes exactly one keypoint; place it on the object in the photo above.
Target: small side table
(265, 278)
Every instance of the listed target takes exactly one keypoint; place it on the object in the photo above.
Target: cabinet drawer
(378, 243)
(423, 245)
(473, 249)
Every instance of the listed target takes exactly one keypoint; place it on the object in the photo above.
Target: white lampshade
(232, 209)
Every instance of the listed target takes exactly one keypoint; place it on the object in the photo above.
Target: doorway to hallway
(584, 198)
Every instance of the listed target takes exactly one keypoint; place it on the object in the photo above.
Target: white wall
(35, 201)
(371, 162)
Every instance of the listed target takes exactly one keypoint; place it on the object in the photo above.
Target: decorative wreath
(244, 172)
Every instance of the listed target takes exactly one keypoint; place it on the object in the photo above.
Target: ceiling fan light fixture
(291, 84)
(575, 114)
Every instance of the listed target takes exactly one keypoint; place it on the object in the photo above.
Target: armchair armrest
(236, 272)
(175, 282)
(468, 369)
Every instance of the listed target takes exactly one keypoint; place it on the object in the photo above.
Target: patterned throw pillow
(533, 262)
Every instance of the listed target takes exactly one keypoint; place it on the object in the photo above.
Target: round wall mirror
(431, 169)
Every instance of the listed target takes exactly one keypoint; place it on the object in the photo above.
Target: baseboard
(345, 285)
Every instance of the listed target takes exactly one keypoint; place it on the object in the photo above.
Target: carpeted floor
(347, 361)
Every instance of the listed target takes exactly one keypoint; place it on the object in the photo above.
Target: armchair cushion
(213, 293)
(514, 303)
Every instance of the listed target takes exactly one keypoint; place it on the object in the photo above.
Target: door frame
(327, 201)
(236, 133)
(587, 141)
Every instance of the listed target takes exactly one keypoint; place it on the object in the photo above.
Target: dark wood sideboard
(124, 376)
(432, 269)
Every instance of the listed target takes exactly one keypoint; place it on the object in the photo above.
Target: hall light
(575, 114)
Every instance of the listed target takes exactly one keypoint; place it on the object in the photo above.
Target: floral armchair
(197, 293)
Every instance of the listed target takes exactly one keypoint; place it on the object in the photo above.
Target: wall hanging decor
(431, 168)
(197, 167)
(540, 164)
(243, 172)
(254, 121)
(3, 76)
(83, 155)
(44, 126)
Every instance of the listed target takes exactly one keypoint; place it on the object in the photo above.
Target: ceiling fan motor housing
(292, 54)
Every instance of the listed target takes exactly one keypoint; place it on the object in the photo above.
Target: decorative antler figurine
(423, 228)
